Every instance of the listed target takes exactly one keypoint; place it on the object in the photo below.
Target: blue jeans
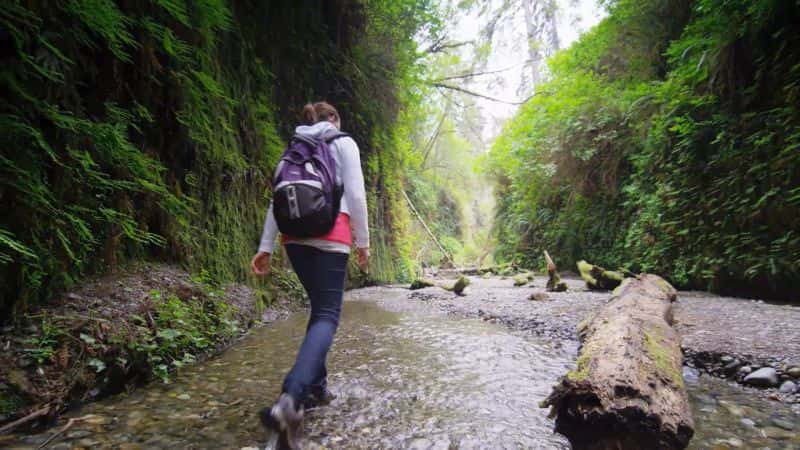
(322, 275)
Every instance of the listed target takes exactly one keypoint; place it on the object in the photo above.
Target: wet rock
(777, 433)
(731, 442)
(732, 367)
(690, 375)
(744, 371)
(733, 409)
(726, 359)
(763, 377)
(748, 422)
(78, 434)
(788, 387)
(783, 423)
(793, 372)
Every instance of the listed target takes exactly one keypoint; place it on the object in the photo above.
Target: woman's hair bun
(309, 114)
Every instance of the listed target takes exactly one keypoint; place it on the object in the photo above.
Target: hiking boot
(319, 398)
(284, 417)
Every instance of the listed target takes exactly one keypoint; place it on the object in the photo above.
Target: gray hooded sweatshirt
(354, 201)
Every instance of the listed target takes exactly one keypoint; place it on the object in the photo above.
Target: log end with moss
(460, 285)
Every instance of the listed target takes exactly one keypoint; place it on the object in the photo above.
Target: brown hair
(318, 112)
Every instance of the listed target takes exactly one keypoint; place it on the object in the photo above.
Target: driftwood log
(598, 278)
(554, 283)
(627, 390)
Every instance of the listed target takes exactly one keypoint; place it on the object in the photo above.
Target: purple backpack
(305, 193)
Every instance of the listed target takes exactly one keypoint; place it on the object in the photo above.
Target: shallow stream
(406, 377)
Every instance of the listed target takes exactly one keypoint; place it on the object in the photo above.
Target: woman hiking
(317, 248)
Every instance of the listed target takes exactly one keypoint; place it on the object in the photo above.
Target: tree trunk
(627, 390)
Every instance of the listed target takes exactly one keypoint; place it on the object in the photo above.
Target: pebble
(764, 377)
(748, 422)
(788, 387)
(745, 370)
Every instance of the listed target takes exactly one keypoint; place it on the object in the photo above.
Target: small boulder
(794, 372)
(744, 371)
(763, 377)
(521, 280)
(788, 387)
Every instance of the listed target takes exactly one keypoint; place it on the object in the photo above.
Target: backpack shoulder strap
(336, 136)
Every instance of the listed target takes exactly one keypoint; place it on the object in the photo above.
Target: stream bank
(119, 332)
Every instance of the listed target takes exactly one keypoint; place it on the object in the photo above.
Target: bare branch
(476, 94)
(440, 46)
(477, 74)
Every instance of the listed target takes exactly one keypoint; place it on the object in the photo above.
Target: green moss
(662, 359)
(9, 403)
(581, 371)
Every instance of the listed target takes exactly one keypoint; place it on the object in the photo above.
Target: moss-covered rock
(521, 280)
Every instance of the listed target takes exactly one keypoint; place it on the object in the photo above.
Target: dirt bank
(120, 331)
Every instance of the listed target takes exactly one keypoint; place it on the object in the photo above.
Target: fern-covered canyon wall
(667, 139)
(148, 130)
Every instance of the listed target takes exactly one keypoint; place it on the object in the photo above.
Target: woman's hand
(260, 264)
(363, 258)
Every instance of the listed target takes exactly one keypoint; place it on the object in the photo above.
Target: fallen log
(598, 278)
(421, 283)
(554, 283)
(627, 390)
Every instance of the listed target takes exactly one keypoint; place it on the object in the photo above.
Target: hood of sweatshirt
(319, 131)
